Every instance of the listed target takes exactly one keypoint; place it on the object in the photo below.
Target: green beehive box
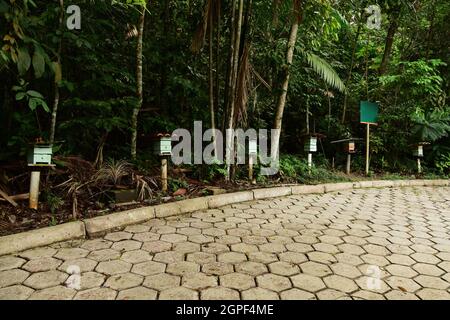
(252, 147)
(40, 154)
(418, 151)
(163, 146)
(311, 144)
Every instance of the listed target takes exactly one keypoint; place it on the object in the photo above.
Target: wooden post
(419, 167)
(367, 148)
(34, 189)
(310, 160)
(164, 173)
(250, 168)
(349, 161)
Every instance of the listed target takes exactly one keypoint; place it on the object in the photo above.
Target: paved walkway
(360, 244)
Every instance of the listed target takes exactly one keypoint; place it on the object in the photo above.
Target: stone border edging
(100, 225)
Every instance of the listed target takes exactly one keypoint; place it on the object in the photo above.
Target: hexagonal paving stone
(315, 269)
(182, 268)
(367, 295)
(136, 256)
(54, 293)
(91, 280)
(293, 257)
(308, 282)
(96, 294)
(37, 253)
(47, 279)
(349, 259)
(425, 258)
(255, 240)
(123, 281)
(84, 264)
(17, 292)
(273, 282)
(259, 294)
(186, 247)
(299, 247)
(273, 247)
(174, 238)
(104, 255)
(156, 246)
(237, 281)
(283, 268)
(401, 271)
(244, 248)
(403, 284)
(346, 270)
(331, 294)
(199, 281)
(400, 259)
(118, 236)
(146, 236)
(432, 282)
(71, 253)
(138, 228)
(10, 262)
(400, 295)
(96, 244)
(113, 267)
(251, 268)
(139, 293)
(325, 247)
(433, 294)
(321, 257)
(161, 281)
(217, 268)
(148, 268)
(263, 257)
(11, 277)
(178, 293)
(375, 260)
(189, 231)
(231, 257)
(372, 284)
(428, 269)
(126, 245)
(340, 283)
(168, 256)
(200, 239)
(219, 293)
(201, 257)
(215, 248)
(296, 294)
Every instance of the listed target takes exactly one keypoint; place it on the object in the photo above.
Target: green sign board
(368, 112)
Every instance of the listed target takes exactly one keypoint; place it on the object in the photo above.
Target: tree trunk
(349, 77)
(393, 26)
(56, 84)
(211, 79)
(234, 72)
(139, 86)
(285, 85)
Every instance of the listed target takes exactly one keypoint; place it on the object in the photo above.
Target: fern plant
(431, 126)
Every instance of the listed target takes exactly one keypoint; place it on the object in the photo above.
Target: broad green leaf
(35, 94)
(20, 96)
(38, 62)
(23, 60)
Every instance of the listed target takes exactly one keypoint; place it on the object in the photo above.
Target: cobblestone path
(360, 244)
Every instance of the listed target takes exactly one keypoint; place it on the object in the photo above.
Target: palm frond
(325, 70)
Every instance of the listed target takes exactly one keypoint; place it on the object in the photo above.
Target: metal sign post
(368, 115)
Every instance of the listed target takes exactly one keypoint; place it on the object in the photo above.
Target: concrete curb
(41, 237)
(98, 226)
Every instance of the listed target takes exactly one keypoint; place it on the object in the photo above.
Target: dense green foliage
(94, 70)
